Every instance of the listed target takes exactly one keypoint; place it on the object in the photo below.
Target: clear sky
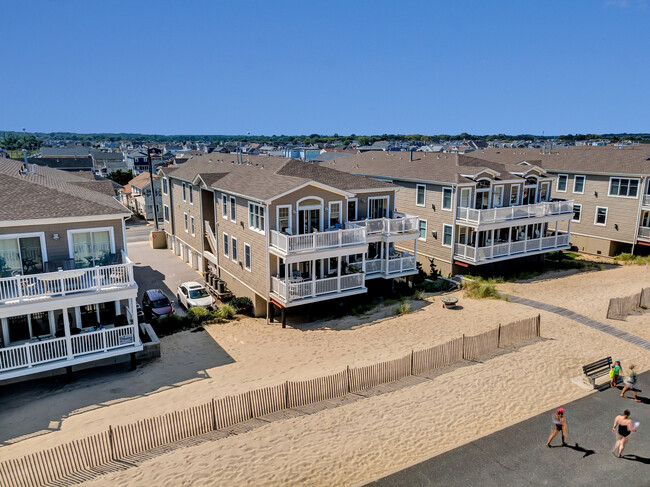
(363, 67)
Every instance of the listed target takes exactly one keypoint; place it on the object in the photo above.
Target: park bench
(596, 369)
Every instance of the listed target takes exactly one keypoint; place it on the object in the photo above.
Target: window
(91, 248)
(226, 250)
(256, 217)
(601, 216)
(224, 206)
(166, 210)
(22, 255)
(335, 214)
(24, 327)
(184, 192)
(247, 257)
(233, 206)
(423, 229)
(234, 249)
(626, 188)
(185, 220)
(191, 196)
(446, 235)
(514, 195)
(579, 184)
(577, 213)
(165, 187)
(465, 197)
(446, 198)
(497, 197)
(192, 225)
(352, 209)
(420, 192)
(561, 183)
(283, 219)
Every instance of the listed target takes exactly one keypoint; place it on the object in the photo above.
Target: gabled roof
(264, 178)
(65, 151)
(142, 180)
(44, 193)
(67, 163)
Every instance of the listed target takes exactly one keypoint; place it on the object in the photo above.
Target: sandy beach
(356, 442)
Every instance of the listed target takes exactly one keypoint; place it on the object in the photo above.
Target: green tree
(121, 177)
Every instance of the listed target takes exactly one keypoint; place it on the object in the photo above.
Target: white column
(286, 282)
(66, 329)
(313, 277)
(118, 307)
(492, 246)
(338, 274)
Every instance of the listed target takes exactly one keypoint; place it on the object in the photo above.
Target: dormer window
(483, 183)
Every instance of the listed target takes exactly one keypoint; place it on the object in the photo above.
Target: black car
(156, 305)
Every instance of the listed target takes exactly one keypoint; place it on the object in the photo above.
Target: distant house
(141, 201)
(64, 163)
(62, 152)
(108, 162)
(302, 153)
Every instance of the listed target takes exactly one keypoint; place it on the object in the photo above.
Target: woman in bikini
(623, 426)
(559, 426)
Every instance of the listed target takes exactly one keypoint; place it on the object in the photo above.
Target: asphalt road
(518, 456)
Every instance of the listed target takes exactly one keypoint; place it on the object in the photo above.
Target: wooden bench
(596, 369)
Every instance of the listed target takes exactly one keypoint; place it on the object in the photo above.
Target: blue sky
(363, 67)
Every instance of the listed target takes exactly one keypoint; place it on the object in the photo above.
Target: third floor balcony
(495, 215)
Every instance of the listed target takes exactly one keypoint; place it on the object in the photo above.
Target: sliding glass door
(91, 248)
(22, 255)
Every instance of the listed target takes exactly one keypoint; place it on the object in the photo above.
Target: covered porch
(47, 336)
(383, 260)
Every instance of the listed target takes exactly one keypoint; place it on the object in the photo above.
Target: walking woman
(630, 383)
(559, 426)
(623, 426)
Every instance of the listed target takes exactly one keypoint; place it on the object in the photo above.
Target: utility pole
(153, 190)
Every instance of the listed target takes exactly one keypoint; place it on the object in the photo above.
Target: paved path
(517, 456)
(597, 325)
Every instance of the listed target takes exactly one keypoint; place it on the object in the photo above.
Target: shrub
(435, 286)
(226, 312)
(198, 314)
(243, 305)
(169, 324)
(403, 308)
(419, 295)
(628, 258)
(480, 290)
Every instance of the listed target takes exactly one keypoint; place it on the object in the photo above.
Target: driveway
(156, 268)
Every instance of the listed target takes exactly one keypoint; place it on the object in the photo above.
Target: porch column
(363, 265)
(66, 329)
(118, 307)
(509, 240)
(338, 274)
(286, 281)
(478, 235)
(313, 277)
(134, 311)
(492, 246)
(415, 248)
(386, 246)
(556, 228)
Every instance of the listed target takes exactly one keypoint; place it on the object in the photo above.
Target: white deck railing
(493, 215)
(318, 241)
(316, 287)
(646, 200)
(45, 351)
(400, 224)
(644, 232)
(61, 283)
(519, 249)
(402, 264)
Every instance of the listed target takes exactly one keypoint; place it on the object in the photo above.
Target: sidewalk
(518, 456)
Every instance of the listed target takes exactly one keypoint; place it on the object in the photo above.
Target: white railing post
(66, 329)
(96, 277)
(103, 332)
(340, 237)
(28, 355)
(19, 285)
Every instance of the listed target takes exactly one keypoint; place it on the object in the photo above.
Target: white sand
(356, 442)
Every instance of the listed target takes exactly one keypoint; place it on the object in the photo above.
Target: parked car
(156, 305)
(194, 294)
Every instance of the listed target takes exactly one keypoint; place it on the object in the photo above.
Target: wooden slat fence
(438, 356)
(477, 346)
(268, 400)
(121, 442)
(381, 373)
(519, 331)
(319, 389)
(619, 308)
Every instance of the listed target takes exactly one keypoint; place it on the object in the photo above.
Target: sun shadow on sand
(38, 407)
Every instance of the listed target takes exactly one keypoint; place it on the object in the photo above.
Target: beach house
(283, 231)
(609, 186)
(67, 293)
(474, 215)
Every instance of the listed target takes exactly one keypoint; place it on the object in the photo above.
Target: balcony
(292, 291)
(496, 215)
(401, 265)
(644, 233)
(28, 288)
(503, 251)
(400, 224)
(646, 200)
(41, 355)
(311, 242)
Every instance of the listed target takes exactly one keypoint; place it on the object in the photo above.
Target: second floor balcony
(646, 200)
(495, 215)
(310, 242)
(17, 289)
